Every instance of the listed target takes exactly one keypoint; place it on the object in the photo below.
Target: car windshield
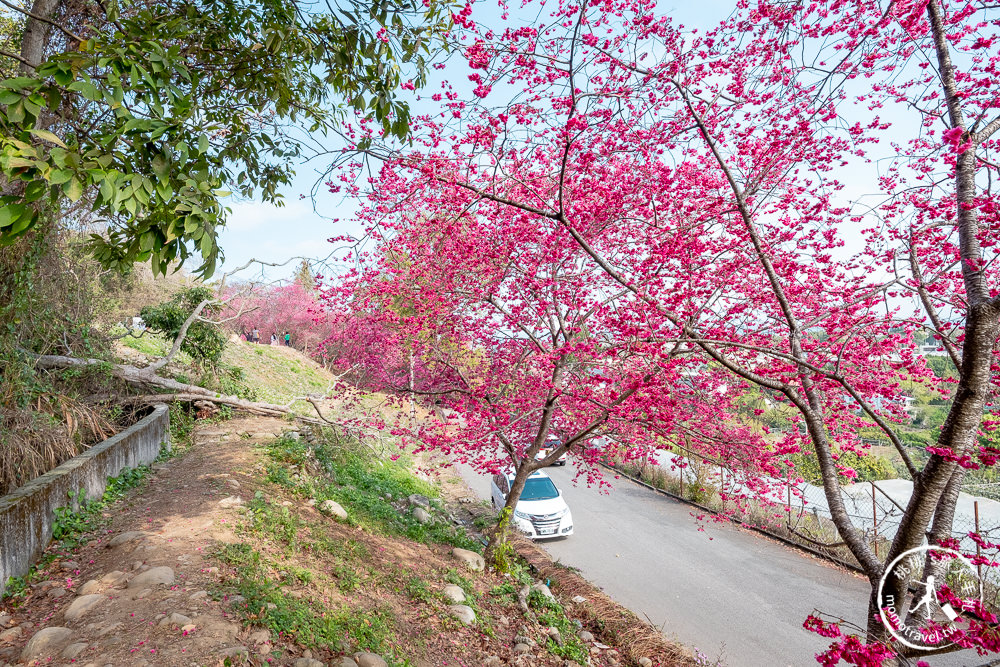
(539, 488)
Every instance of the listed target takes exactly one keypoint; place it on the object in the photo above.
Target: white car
(541, 511)
(547, 449)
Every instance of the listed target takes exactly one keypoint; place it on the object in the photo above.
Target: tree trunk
(494, 555)
(181, 392)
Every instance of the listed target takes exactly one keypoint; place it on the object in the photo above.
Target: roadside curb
(756, 529)
(635, 638)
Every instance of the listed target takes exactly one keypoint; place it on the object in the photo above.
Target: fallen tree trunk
(146, 377)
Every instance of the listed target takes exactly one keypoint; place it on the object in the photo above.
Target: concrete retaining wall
(27, 515)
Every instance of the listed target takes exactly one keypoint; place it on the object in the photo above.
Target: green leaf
(35, 190)
(45, 135)
(60, 176)
(19, 162)
(24, 222)
(203, 144)
(73, 189)
(10, 213)
(160, 166)
(87, 89)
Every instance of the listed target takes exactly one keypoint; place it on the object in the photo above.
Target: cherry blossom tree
(526, 347)
(623, 204)
(277, 309)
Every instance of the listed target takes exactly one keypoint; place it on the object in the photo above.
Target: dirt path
(147, 587)
(138, 593)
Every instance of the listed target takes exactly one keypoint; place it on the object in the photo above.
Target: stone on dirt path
(46, 642)
(308, 662)
(418, 500)
(82, 605)
(369, 660)
(154, 576)
(126, 537)
(334, 508)
(471, 559)
(454, 593)
(73, 651)
(464, 613)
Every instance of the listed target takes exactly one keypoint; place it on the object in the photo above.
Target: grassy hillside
(270, 373)
(278, 373)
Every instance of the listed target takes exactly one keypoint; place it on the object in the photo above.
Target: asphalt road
(731, 594)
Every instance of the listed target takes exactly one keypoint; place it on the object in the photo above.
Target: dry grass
(35, 440)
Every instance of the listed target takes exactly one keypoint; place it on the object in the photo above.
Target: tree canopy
(687, 192)
(153, 113)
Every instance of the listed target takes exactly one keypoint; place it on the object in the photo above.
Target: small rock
(551, 631)
(524, 639)
(543, 589)
(454, 593)
(312, 503)
(235, 599)
(189, 628)
(46, 642)
(233, 484)
(418, 500)
(198, 595)
(586, 636)
(82, 605)
(520, 649)
(645, 662)
(492, 661)
(334, 508)
(154, 576)
(89, 587)
(114, 577)
(125, 538)
(601, 646)
(73, 650)
(308, 662)
(346, 662)
(259, 637)
(235, 652)
(144, 593)
(463, 613)
(579, 598)
(231, 501)
(286, 503)
(471, 559)
(369, 660)
(175, 619)
(421, 515)
(56, 592)
(69, 565)
(11, 634)
(108, 629)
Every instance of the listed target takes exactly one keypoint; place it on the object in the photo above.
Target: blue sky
(301, 227)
